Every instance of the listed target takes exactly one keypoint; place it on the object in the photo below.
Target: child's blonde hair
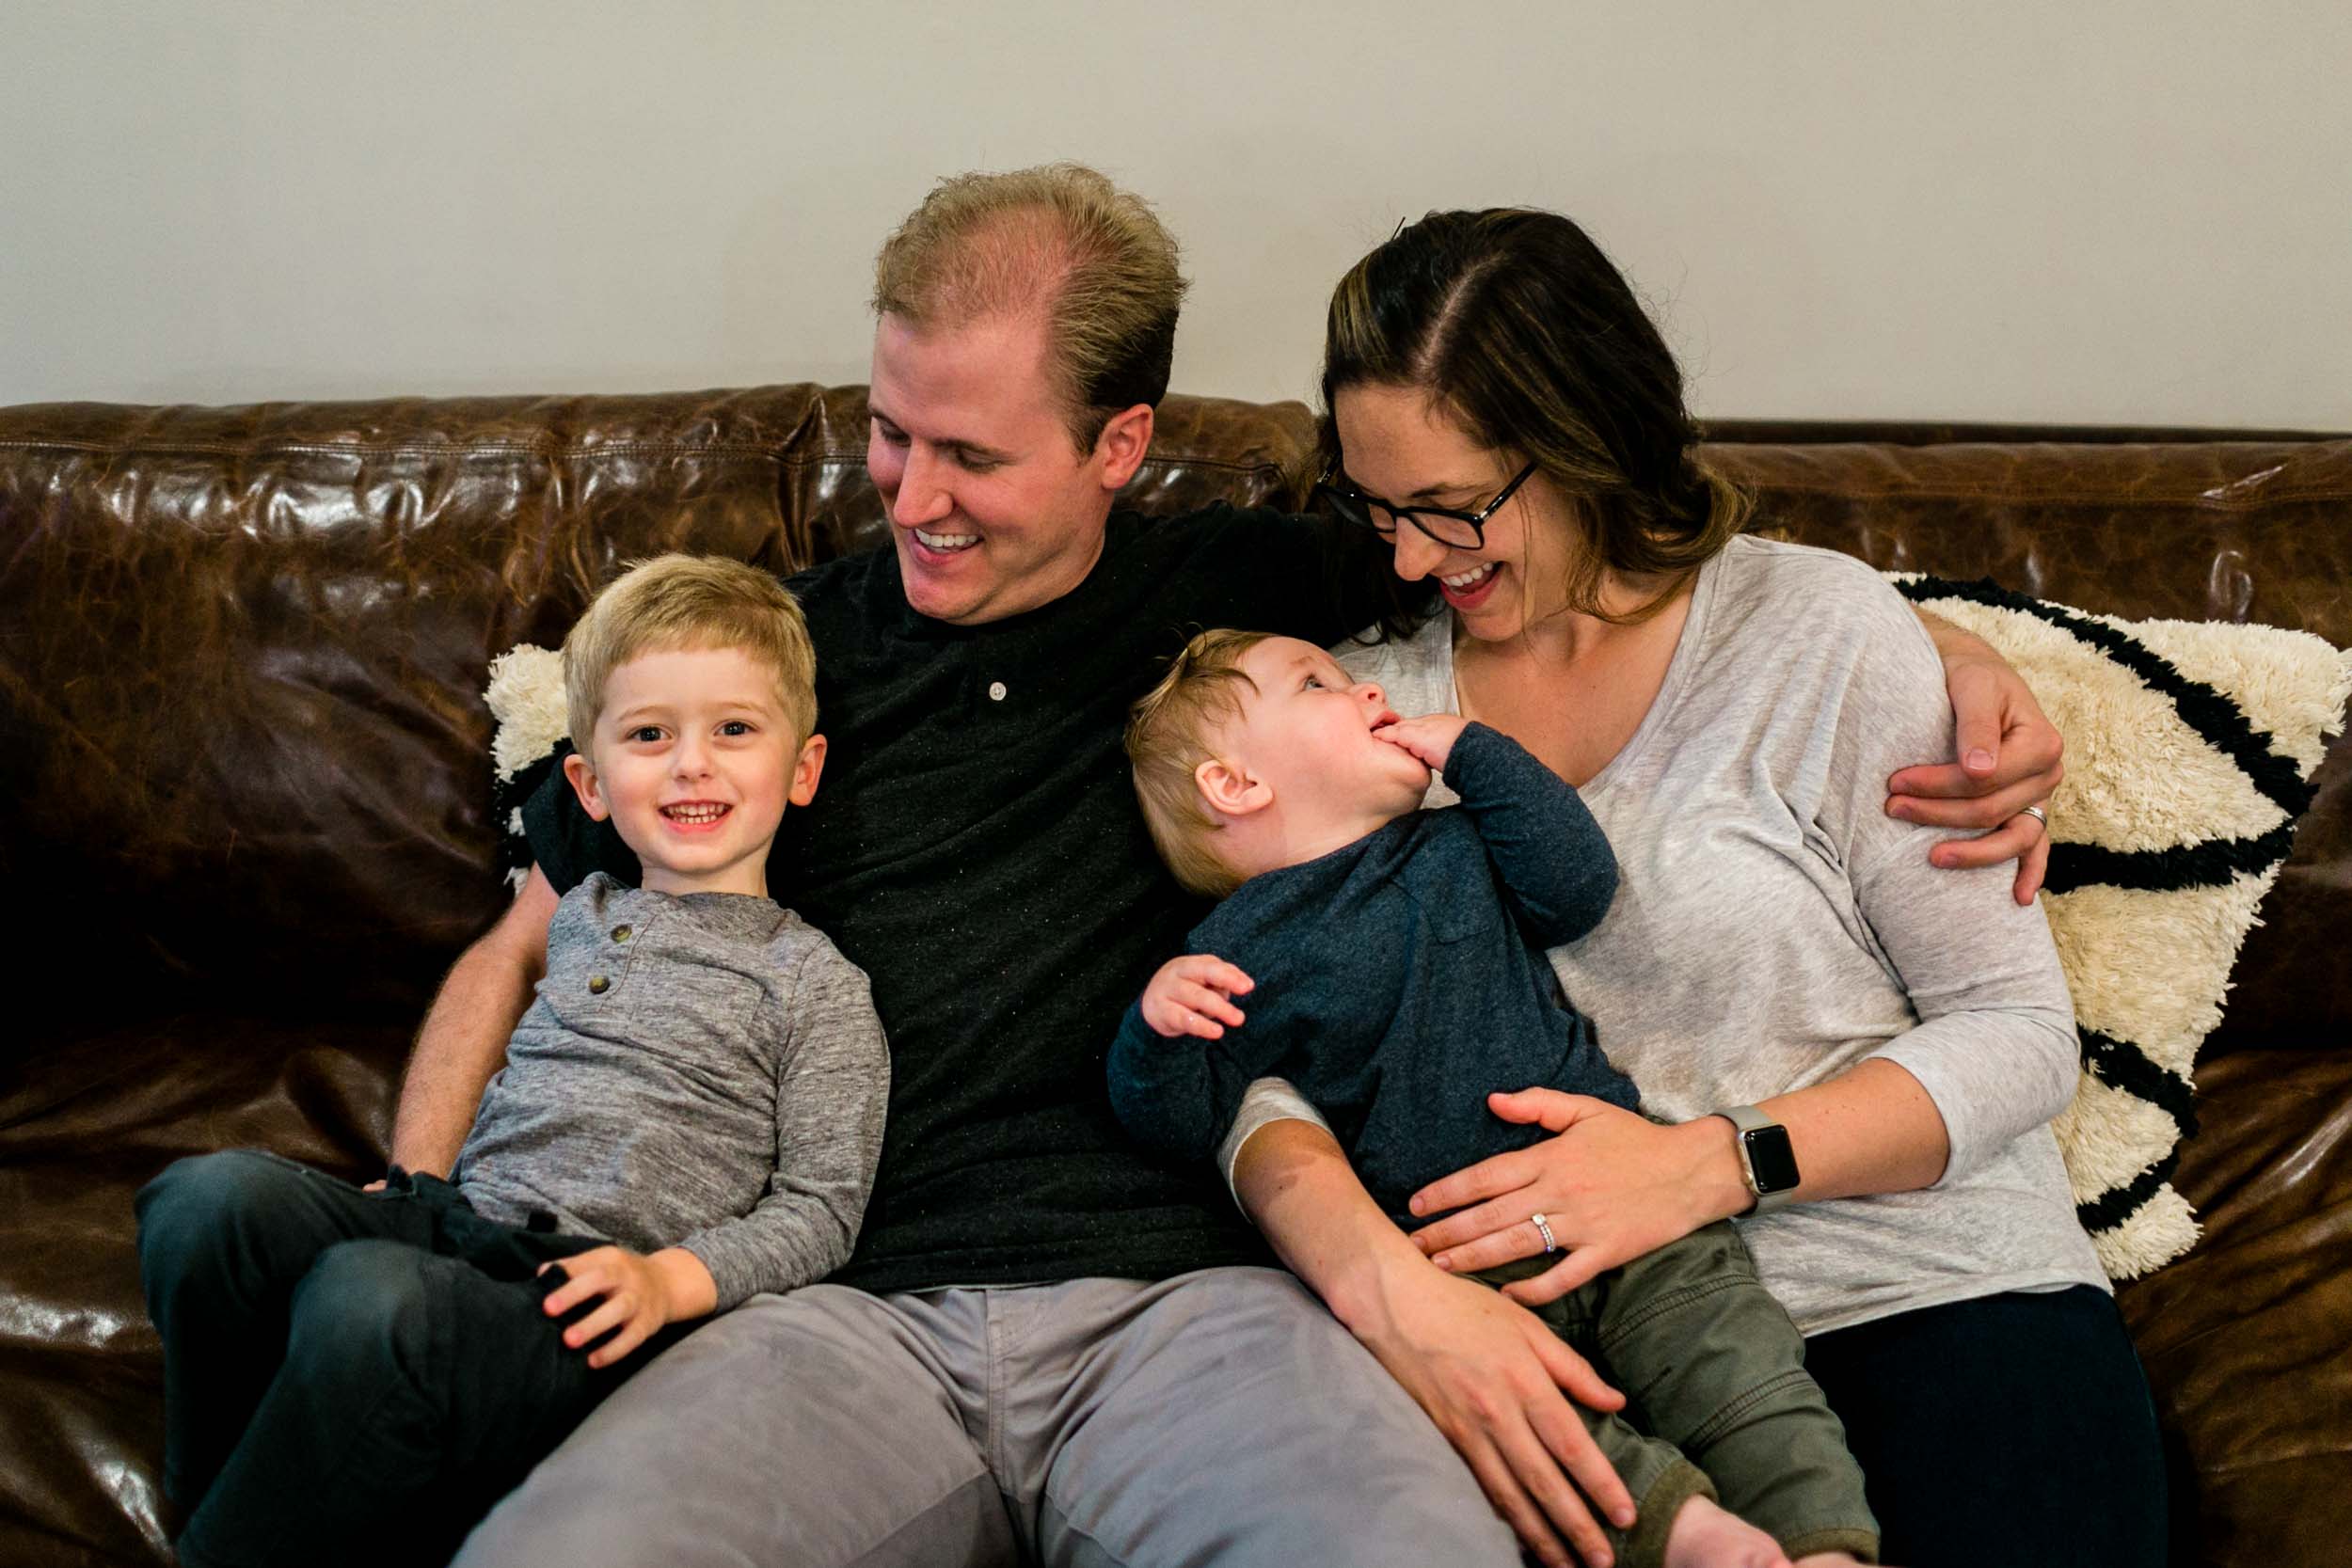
(689, 601)
(1168, 736)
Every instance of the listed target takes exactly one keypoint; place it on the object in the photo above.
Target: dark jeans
(349, 1376)
(2015, 1429)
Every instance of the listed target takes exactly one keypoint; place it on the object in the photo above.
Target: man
(1045, 1345)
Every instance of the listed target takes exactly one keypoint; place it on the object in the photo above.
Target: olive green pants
(1717, 1402)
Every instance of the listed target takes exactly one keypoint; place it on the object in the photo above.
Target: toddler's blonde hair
(689, 601)
(1169, 735)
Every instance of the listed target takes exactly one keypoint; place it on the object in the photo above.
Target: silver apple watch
(1767, 1161)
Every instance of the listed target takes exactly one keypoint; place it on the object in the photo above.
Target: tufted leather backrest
(242, 649)
(245, 647)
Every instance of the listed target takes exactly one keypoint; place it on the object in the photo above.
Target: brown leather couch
(242, 653)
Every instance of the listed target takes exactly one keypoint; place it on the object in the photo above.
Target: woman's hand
(1611, 1184)
(2010, 758)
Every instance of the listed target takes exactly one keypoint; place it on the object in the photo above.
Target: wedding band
(2039, 815)
(1543, 1229)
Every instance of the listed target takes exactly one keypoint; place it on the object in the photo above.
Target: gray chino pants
(1221, 1417)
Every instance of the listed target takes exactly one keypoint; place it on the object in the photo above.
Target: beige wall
(2003, 210)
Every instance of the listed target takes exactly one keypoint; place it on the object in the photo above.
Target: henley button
(599, 985)
(622, 933)
(996, 691)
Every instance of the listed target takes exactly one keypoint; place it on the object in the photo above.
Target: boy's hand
(640, 1295)
(1429, 737)
(1188, 996)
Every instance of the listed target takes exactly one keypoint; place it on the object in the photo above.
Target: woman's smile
(1470, 589)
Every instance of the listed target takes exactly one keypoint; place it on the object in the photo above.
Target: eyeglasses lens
(1453, 533)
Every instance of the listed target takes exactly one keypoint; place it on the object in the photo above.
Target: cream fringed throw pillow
(2189, 745)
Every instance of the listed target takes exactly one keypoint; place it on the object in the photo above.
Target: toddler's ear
(582, 774)
(806, 770)
(1228, 790)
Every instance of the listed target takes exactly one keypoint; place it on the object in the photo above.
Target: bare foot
(1705, 1536)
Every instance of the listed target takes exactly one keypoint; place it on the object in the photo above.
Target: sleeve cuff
(1268, 1101)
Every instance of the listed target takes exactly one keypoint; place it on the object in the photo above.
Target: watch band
(1753, 1125)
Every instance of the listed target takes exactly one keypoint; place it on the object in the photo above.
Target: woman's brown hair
(1514, 323)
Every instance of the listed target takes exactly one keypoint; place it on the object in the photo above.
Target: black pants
(349, 1376)
(2014, 1429)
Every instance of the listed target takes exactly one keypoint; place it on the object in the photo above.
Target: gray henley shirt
(704, 1071)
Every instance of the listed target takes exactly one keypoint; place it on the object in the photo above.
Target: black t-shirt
(976, 848)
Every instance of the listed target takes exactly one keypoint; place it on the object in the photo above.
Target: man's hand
(1497, 1382)
(1191, 996)
(640, 1295)
(1429, 737)
(2010, 758)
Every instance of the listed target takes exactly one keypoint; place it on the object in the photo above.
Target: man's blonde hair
(689, 601)
(1059, 239)
(1170, 733)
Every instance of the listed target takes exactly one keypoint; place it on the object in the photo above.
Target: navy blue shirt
(1399, 981)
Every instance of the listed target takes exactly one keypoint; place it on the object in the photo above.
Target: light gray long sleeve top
(702, 1070)
(1774, 927)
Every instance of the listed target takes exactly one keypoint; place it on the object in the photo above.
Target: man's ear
(1227, 789)
(1123, 444)
(582, 774)
(805, 771)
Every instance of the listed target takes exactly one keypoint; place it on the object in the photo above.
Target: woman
(1781, 950)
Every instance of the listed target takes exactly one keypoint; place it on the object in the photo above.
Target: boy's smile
(694, 761)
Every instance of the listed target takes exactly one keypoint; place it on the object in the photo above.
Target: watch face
(1772, 1158)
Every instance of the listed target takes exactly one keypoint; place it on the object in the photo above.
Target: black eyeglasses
(1460, 531)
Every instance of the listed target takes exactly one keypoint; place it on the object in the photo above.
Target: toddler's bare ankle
(1706, 1536)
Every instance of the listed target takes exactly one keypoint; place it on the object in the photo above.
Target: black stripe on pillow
(2122, 1064)
(2113, 1206)
(2215, 863)
(507, 797)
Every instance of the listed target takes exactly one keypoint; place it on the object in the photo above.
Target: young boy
(691, 1113)
(1394, 958)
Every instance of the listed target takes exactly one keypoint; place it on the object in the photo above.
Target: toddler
(1394, 958)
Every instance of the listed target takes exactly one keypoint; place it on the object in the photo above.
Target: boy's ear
(1227, 789)
(582, 774)
(805, 771)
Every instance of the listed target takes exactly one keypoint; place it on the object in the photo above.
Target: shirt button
(599, 985)
(622, 933)
(996, 691)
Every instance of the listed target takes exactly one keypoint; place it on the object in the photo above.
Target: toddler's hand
(1188, 996)
(638, 1297)
(1429, 737)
